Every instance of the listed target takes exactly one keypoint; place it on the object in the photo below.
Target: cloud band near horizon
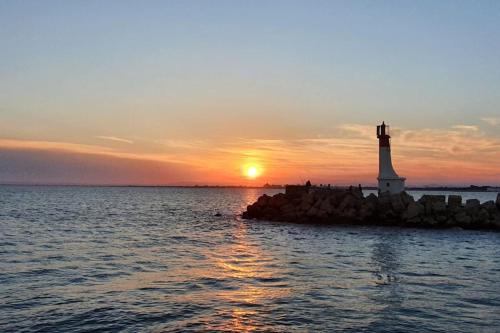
(461, 154)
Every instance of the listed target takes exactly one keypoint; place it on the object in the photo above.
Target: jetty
(392, 206)
(312, 204)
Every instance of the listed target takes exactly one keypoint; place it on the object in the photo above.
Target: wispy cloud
(454, 154)
(466, 127)
(114, 138)
(181, 144)
(83, 149)
(35, 166)
(55, 145)
(492, 121)
(349, 154)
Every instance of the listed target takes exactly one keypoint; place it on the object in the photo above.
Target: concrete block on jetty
(311, 204)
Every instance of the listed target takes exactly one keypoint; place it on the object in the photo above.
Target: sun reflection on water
(256, 279)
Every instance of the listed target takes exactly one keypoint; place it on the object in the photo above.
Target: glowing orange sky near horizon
(458, 155)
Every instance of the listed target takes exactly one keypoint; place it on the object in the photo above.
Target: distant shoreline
(472, 188)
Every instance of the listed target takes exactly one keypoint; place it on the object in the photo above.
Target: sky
(199, 92)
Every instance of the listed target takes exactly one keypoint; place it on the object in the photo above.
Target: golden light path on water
(240, 274)
(236, 278)
(161, 259)
(251, 273)
(247, 262)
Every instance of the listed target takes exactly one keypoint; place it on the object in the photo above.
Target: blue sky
(223, 71)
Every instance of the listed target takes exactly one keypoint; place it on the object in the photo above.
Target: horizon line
(270, 186)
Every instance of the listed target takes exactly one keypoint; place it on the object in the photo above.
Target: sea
(157, 259)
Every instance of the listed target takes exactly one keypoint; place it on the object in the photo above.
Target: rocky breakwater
(309, 204)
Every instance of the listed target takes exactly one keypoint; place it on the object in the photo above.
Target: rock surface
(309, 204)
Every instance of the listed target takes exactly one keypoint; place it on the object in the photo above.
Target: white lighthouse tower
(388, 180)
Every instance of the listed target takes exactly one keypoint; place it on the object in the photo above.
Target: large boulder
(306, 202)
(429, 221)
(367, 211)
(322, 214)
(472, 203)
(441, 219)
(496, 219)
(489, 206)
(348, 202)
(462, 218)
(414, 221)
(317, 203)
(498, 201)
(482, 217)
(296, 190)
(278, 200)
(413, 210)
(288, 209)
(253, 211)
(432, 198)
(309, 197)
(271, 213)
(263, 200)
(439, 207)
(406, 198)
(428, 201)
(450, 221)
(327, 206)
(350, 214)
(372, 198)
(454, 202)
(397, 203)
(312, 212)
(357, 193)
(472, 206)
(334, 200)
(389, 217)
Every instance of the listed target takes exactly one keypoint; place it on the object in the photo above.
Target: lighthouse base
(391, 185)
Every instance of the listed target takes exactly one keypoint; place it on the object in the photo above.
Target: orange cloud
(115, 139)
(459, 154)
(41, 166)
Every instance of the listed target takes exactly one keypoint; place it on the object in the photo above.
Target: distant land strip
(471, 188)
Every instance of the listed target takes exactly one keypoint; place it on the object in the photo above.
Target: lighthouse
(388, 179)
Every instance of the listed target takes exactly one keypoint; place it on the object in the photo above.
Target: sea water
(134, 259)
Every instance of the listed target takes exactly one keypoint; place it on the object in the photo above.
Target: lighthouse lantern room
(388, 180)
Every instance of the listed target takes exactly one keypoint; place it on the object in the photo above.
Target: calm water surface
(157, 259)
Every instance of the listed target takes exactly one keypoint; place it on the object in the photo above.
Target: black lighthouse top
(383, 135)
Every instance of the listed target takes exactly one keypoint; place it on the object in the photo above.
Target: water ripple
(89, 259)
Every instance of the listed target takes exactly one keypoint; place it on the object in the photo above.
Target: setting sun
(252, 171)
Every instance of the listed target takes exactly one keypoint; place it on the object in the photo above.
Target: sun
(251, 171)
